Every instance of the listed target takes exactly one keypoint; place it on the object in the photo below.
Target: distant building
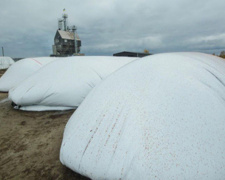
(66, 41)
(131, 54)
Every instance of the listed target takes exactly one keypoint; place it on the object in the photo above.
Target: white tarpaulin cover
(161, 117)
(21, 70)
(5, 62)
(64, 84)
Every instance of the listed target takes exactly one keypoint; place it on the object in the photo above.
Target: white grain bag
(162, 117)
(64, 84)
(21, 70)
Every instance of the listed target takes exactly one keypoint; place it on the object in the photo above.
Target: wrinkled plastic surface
(64, 83)
(162, 117)
(21, 70)
(6, 62)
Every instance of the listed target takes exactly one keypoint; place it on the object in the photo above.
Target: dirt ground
(30, 143)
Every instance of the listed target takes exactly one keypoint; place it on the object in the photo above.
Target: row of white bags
(37, 85)
(160, 117)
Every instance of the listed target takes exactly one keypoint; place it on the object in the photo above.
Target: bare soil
(2, 71)
(30, 143)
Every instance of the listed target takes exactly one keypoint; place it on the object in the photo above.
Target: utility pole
(2, 51)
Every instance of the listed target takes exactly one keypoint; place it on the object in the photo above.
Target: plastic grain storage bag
(21, 70)
(64, 84)
(161, 117)
(6, 62)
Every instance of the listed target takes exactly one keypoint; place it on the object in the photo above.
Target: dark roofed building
(64, 43)
(131, 54)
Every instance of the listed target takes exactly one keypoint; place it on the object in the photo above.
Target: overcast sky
(105, 27)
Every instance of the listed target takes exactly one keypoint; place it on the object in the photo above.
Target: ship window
(65, 40)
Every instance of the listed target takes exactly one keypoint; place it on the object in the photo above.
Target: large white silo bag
(162, 117)
(6, 62)
(21, 70)
(64, 84)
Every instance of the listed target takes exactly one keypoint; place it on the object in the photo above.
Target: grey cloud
(106, 27)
